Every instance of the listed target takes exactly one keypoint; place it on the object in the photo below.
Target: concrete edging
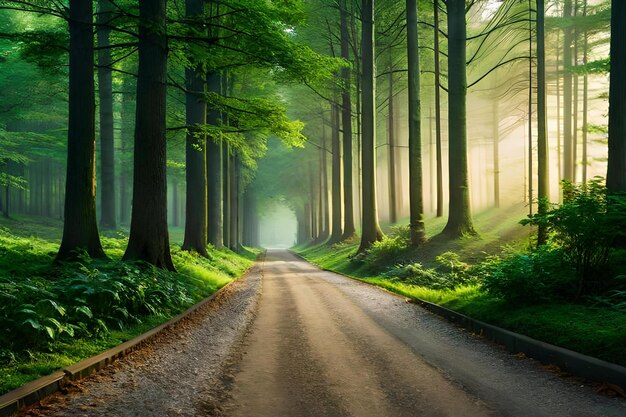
(34, 391)
(567, 360)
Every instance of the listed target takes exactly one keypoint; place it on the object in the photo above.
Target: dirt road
(324, 345)
(290, 340)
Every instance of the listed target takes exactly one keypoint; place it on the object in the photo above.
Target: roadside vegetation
(53, 315)
(570, 292)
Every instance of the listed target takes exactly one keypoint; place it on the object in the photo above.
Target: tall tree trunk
(616, 171)
(324, 209)
(107, 147)
(371, 230)
(80, 229)
(415, 128)
(195, 152)
(558, 108)
(496, 154)
(127, 114)
(349, 229)
(568, 155)
(226, 193)
(336, 233)
(459, 216)
(575, 101)
(585, 126)
(438, 112)
(543, 178)
(149, 237)
(391, 131)
(234, 199)
(530, 110)
(215, 171)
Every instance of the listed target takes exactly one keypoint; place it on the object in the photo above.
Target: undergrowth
(54, 315)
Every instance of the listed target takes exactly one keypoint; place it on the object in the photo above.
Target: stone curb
(34, 391)
(567, 360)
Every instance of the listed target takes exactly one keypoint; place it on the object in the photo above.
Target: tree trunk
(226, 193)
(195, 152)
(585, 103)
(214, 171)
(391, 131)
(530, 110)
(234, 200)
(568, 156)
(371, 230)
(336, 233)
(438, 113)
(616, 171)
(415, 128)
(349, 229)
(80, 229)
(459, 216)
(107, 148)
(543, 178)
(324, 209)
(149, 237)
(496, 155)
(127, 113)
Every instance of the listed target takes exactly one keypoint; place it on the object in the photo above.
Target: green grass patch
(52, 316)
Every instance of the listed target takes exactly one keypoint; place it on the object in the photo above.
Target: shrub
(415, 274)
(530, 278)
(388, 250)
(587, 226)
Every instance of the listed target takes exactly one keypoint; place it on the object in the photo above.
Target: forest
(466, 153)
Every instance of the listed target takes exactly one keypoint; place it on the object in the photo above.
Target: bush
(388, 250)
(415, 274)
(530, 278)
(587, 226)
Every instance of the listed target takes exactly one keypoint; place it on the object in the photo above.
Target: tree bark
(585, 126)
(371, 230)
(616, 171)
(195, 152)
(214, 171)
(107, 149)
(415, 128)
(543, 178)
(438, 112)
(80, 229)
(149, 237)
(391, 131)
(226, 193)
(568, 155)
(234, 200)
(336, 233)
(349, 229)
(459, 216)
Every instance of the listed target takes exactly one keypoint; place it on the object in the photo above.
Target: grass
(27, 248)
(594, 331)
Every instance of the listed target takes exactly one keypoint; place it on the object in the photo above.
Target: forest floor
(292, 340)
(29, 279)
(593, 330)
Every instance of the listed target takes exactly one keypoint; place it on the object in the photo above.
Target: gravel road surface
(304, 342)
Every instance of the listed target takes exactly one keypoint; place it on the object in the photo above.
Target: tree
(459, 216)
(415, 143)
(80, 228)
(568, 152)
(336, 233)
(371, 230)
(195, 150)
(346, 118)
(543, 185)
(616, 171)
(438, 109)
(105, 89)
(214, 170)
(149, 237)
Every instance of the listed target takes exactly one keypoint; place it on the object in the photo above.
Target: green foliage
(388, 250)
(586, 226)
(530, 278)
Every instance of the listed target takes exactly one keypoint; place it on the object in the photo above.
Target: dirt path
(324, 345)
